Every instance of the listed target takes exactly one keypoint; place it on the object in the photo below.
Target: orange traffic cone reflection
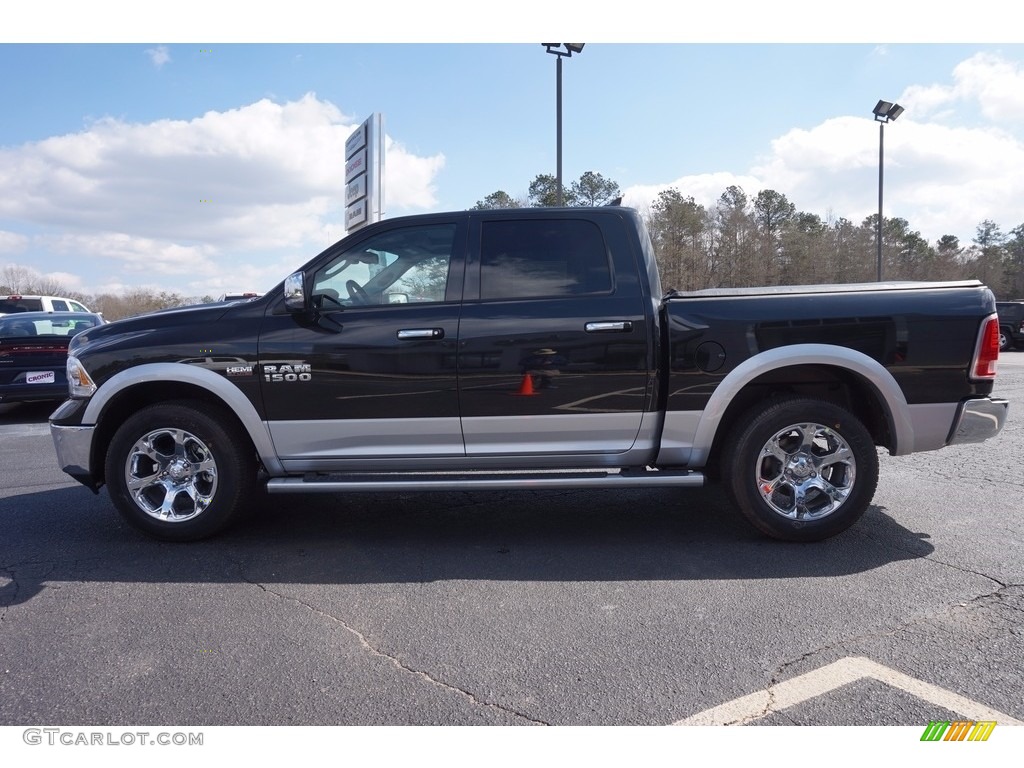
(526, 387)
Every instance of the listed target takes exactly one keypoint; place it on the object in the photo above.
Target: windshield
(14, 326)
(9, 305)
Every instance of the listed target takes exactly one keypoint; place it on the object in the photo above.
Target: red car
(34, 353)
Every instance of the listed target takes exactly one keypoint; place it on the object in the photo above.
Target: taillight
(986, 352)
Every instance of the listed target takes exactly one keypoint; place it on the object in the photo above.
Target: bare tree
(987, 254)
(804, 240)
(772, 212)
(20, 279)
(681, 232)
(1014, 264)
(135, 301)
(735, 238)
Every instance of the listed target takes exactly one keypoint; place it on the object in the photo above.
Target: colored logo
(959, 730)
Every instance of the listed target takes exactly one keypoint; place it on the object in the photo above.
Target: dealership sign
(364, 174)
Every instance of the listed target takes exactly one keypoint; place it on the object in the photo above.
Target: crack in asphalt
(769, 707)
(930, 558)
(779, 676)
(1003, 595)
(367, 645)
(927, 473)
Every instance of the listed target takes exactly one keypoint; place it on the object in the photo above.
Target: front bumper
(74, 449)
(978, 419)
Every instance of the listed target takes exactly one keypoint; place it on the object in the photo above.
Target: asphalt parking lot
(648, 607)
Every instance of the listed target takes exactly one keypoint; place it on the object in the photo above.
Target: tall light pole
(885, 111)
(556, 49)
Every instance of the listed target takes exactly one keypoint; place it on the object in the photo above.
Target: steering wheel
(356, 292)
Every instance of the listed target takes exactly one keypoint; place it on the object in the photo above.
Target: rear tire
(800, 469)
(180, 471)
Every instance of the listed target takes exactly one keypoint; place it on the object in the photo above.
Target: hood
(141, 325)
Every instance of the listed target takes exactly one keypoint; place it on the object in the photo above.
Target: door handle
(609, 326)
(420, 333)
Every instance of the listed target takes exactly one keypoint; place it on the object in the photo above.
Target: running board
(483, 481)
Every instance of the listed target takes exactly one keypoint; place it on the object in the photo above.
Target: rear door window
(543, 258)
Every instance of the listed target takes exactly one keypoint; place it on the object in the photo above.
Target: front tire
(800, 469)
(180, 471)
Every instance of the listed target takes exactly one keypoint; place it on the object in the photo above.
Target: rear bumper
(32, 393)
(978, 419)
(74, 448)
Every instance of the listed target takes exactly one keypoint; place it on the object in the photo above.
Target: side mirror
(294, 292)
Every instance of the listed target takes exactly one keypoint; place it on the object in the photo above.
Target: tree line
(737, 242)
(15, 278)
(742, 241)
(589, 189)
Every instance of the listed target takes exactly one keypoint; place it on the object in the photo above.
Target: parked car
(17, 302)
(239, 296)
(1011, 324)
(34, 353)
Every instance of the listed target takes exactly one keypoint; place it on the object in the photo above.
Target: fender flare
(870, 370)
(203, 378)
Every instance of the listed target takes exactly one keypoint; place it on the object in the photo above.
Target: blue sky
(108, 145)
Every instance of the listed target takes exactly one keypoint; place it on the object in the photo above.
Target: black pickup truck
(524, 349)
(1011, 324)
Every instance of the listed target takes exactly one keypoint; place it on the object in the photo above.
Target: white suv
(239, 296)
(17, 302)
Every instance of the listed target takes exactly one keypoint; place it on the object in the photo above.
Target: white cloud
(986, 83)
(408, 179)
(943, 180)
(705, 189)
(165, 197)
(20, 274)
(12, 242)
(946, 168)
(126, 253)
(996, 84)
(255, 176)
(70, 281)
(159, 55)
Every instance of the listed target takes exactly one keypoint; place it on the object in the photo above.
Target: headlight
(80, 384)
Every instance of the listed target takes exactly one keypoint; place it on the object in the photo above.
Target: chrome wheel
(806, 471)
(171, 475)
(800, 469)
(182, 470)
